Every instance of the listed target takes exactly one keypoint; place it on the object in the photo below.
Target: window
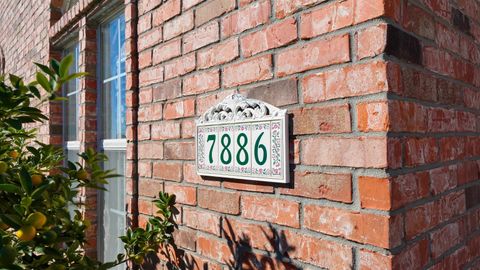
(113, 141)
(71, 91)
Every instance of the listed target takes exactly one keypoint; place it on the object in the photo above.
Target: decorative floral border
(276, 147)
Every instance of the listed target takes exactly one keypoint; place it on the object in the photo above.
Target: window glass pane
(71, 105)
(113, 47)
(72, 156)
(114, 214)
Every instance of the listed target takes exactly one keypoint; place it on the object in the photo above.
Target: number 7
(211, 137)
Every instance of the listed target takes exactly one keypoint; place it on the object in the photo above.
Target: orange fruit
(37, 179)
(13, 154)
(37, 220)
(26, 233)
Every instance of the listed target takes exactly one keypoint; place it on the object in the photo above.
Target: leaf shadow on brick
(245, 258)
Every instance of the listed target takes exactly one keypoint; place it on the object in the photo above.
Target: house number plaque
(243, 139)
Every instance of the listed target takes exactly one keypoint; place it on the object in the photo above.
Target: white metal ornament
(243, 138)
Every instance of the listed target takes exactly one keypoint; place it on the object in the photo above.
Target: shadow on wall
(243, 254)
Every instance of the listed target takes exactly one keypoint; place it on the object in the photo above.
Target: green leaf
(43, 81)
(55, 66)
(45, 69)
(38, 192)
(26, 181)
(11, 220)
(10, 188)
(65, 65)
(15, 80)
(74, 76)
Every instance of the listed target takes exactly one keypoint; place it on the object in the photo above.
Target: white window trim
(114, 144)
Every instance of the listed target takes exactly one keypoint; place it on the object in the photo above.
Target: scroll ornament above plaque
(243, 138)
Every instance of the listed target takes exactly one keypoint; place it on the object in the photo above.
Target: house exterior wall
(383, 98)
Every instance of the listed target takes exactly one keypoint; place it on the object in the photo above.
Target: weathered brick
(253, 15)
(373, 116)
(166, 11)
(179, 150)
(339, 151)
(218, 54)
(201, 82)
(168, 170)
(383, 231)
(214, 248)
(327, 19)
(220, 201)
(166, 51)
(201, 37)
(151, 75)
(183, 194)
(284, 8)
(273, 210)
(149, 39)
(251, 70)
(179, 109)
(274, 36)
(328, 119)
(180, 66)
(335, 187)
(212, 9)
(165, 130)
(179, 25)
(371, 41)
(312, 55)
(168, 90)
(150, 150)
(278, 93)
(202, 220)
(349, 81)
(375, 193)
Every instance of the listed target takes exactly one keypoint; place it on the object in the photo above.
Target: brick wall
(383, 97)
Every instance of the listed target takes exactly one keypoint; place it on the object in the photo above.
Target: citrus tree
(37, 230)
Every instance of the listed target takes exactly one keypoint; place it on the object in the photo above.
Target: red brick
(145, 95)
(445, 238)
(383, 231)
(151, 75)
(165, 130)
(452, 148)
(144, 23)
(190, 3)
(369, 9)
(253, 15)
(179, 150)
(168, 90)
(149, 39)
(248, 187)
(312, 55)
(335, 187)
(168, 171)
(339, 151)
(419, 151)
(416, 256)
(166, 11)
(419, 21)
(375, 193)
(272, 210)
(190, 175)
(371, 41)
(143, 132)
(360, 79)
(213, 9)
(179, 109)
(370, 260)
(205, 102)
(407, 116)
(167, 51)
(327, 19)
(251, 70)
(144, 59)
(150, 150)
(409, 188)
(201, 82)
(274, 36)
(441, 120)
(180, 66)
(183, 194)
(278, 93)
(188, 128)
(373, 116)
(467, 171)
(284, 8)
(220, 201)
(147, 5)
(178, 26)
(145, 168)
(443, 179)
(329, 119)
(319, 252)
(234, 229)
(149, 188)
(145, 207)
(218, 54)
(202, 220)
(201, 37)
(214, 248)
(185, 238)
